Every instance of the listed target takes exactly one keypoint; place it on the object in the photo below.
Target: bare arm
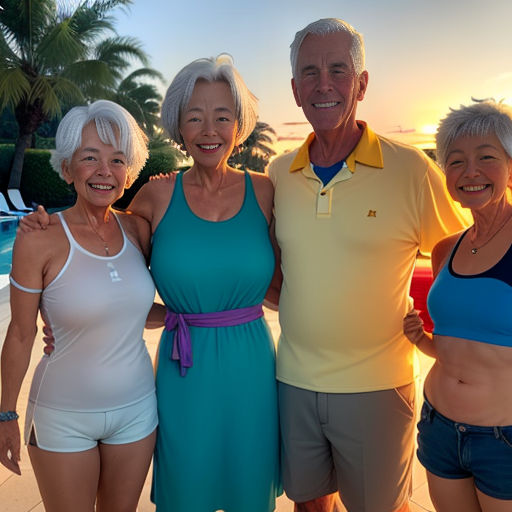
(152, 199)
(274, 290)
(156, 316)
(27, 269)
(413, 329)
(413, 324)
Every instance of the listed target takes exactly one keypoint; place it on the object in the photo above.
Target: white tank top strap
(74, 244)
(66, 229)
(24, 288)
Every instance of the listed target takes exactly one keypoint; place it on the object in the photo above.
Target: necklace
(105, 245)
(474, 250)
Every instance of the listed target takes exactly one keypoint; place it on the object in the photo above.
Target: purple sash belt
(182, 347)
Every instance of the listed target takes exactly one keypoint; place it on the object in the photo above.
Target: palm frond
(145, 73)
(61, 46)
(119, 52)
(89, 24)
(42, 90)
(87, 71)
(14, 87)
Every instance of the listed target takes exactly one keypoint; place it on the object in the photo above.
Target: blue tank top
(475, 307)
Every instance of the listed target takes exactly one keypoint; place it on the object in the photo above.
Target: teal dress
(218, 440)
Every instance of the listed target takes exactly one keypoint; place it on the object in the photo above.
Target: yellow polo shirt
(347, 254)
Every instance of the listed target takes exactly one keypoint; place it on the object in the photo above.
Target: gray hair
(115, 126)
(483, 117)
(219, 69)
(326, 26)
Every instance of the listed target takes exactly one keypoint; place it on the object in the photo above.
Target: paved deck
(20, 494)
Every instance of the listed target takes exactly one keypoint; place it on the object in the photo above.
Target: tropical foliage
(256, 151)
(52, 56)
(140, 98)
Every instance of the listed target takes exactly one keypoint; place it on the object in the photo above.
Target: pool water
(8, 227)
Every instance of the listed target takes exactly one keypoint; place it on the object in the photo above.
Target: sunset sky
(423, 56)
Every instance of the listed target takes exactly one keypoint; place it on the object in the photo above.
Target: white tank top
(97, 307)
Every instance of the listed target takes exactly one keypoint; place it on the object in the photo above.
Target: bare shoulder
(40, 239)
(36, 253)
(153, 197)
(264, 190)
(442, 251)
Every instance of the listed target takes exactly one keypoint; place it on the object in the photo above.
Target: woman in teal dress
(212, 262)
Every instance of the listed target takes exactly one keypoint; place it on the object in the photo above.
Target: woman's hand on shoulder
(34, 221)
(264, 190)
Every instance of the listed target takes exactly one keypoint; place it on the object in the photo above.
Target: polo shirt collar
(367, 152)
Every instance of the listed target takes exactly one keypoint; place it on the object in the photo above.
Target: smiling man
(352, 211)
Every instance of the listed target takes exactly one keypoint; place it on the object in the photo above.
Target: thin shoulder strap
(454, 250)
(120, 224)
(72, 241)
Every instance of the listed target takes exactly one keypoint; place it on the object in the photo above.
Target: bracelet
(8, 416)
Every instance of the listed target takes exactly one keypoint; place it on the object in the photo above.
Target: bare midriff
(471, 382)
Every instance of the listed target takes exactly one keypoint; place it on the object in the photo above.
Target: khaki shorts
(360, 444)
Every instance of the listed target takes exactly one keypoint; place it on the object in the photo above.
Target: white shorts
(56, 430)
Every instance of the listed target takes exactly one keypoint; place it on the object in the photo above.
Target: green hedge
(40, 184)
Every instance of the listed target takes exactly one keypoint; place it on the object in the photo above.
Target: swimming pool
(8, 226)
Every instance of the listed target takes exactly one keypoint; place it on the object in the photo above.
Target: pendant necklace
(113, 273)
(474, 250)
(105, 245)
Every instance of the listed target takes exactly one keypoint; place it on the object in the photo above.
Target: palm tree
(255, 152)
(50, 56)
(140, 98)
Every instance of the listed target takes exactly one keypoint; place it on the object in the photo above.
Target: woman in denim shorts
(465, 431)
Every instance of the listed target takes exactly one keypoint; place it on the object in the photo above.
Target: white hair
(323, 27)
(483, 117)
(219, 69)
(115, 126)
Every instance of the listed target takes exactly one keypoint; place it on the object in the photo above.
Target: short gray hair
(326, 26)
(483, 117)
(115, 126)
(219, 69)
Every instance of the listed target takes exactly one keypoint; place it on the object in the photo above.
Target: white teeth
(325, 105)
(209, 146)
(102, 187)
(473, 188)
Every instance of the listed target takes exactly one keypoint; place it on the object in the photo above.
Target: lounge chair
(16, 199)
(6, 210)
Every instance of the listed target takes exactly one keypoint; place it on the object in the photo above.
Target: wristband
(8, 416)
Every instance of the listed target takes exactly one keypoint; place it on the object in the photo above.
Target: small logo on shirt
(372, 213)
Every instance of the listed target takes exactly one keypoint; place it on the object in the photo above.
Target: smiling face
(97, 170)
(478, 171)
(208, 124)
(327, 87)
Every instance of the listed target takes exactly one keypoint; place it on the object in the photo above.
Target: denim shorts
(69, 431)
(455, 450)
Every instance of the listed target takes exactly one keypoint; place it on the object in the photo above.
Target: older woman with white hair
(91, 417)
(465, 431)
(212, 262)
